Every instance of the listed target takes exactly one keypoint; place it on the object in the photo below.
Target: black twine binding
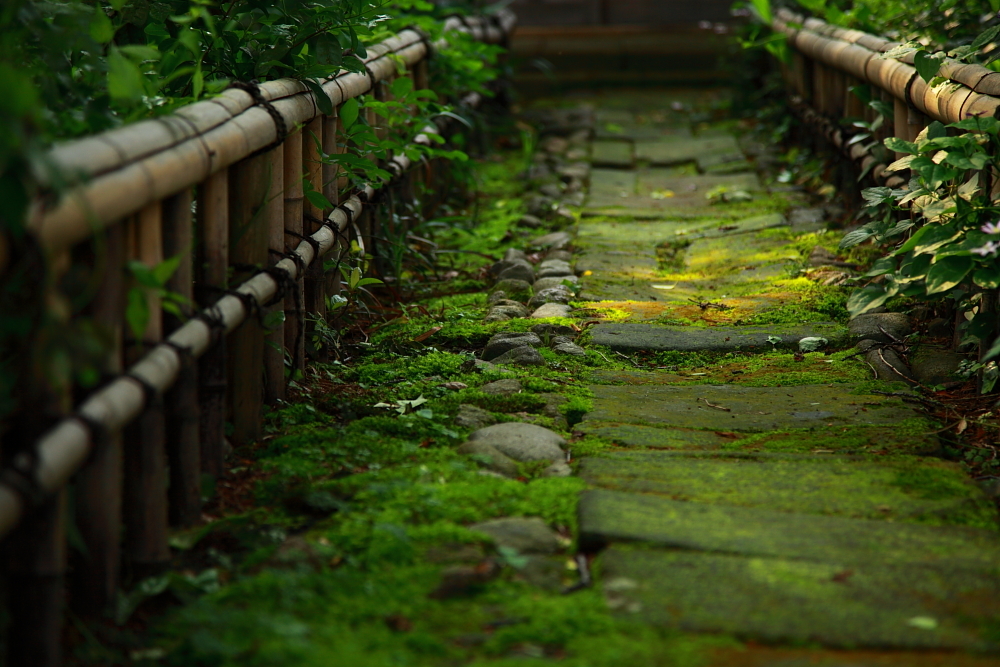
(22, 476)
(281, 129)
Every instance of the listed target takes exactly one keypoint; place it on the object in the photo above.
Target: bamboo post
(37, 566)
(332, 127)
(98, 501)
(213, 219)
(183, 443)
(312, 165)
(248, 239)
(145, 500)
(274, 352)
(293, 210)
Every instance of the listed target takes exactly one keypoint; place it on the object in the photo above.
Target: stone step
(640, 336)
(912, 489)
(740, 408)
(767, 599)
(616, 516)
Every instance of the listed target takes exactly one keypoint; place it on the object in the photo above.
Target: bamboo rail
(239, 161)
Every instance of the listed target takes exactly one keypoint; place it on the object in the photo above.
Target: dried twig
(713, 405)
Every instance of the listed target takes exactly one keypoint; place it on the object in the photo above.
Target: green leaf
(988, 277)
(882, 266)
(125, 81)
(402, 87)
(866, 298)
(900, 146)
(165, 269)
(197, 82)
(368, 281)
(102, 30)
(318, 200)
(349, 112)
(322, 99)
(927, 64)
(854, 237)
(936, 130)
(947, 272)
(137, 312)
(988, 35)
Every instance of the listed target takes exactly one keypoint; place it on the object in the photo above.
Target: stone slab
(637, 435)
(615, 516)
(612, 153)
(750, 409)
(777, 600)
(677, 151)
(636, 336)
(893, 489)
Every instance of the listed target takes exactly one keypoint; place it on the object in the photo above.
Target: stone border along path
(806, 536)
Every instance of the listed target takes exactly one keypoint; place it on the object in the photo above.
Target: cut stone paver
(638, 435)
(892, 489)
(612, 153)
(637, 336)
(774, 600)
(738, 408)
(617, 516)
(666, 153)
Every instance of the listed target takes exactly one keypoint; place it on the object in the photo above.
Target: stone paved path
(796, 509)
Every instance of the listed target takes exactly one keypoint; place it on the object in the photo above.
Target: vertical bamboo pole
(183, 443)
(274, 352)
(293, 209)
(37, 566)
(331, 145)
(145, 501)
(900, 126)
(248, 239)
(98, 498)
(420, 75)
(312, 165)
(213, 219)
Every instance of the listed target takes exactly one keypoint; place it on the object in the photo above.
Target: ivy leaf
(947, 272)
(988, 277)
(320, 96)
(901, 146)
(349, 112)
(927, 64)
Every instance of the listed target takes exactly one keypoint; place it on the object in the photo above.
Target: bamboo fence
(827, 61)
(136, 449)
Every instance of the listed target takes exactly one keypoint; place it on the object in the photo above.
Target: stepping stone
(678, 151)
(609, 153)
(637, 435)
(610, 187)
(779, 600)
(636, 336)
(888, 489)
(751, 409)
(615, 516)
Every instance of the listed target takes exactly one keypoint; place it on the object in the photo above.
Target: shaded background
(564, 44)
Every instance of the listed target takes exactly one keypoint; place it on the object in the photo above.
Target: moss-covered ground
(342, 538)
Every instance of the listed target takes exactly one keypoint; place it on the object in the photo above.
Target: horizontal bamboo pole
(131, 167)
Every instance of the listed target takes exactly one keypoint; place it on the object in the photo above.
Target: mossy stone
(515, 290)
(636, 336)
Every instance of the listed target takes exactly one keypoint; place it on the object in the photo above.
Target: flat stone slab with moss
(782, 600)
(896, 489)
(637, 435)
(748, 409)
(608, 516)
(640, 336)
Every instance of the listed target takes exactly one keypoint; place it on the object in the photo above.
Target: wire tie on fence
(149, 392)
(252, 88)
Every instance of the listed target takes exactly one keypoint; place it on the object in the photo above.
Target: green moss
(909, 437)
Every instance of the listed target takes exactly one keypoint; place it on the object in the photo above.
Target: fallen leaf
(843, 576)
(454, 385)
(728, 434)
(427, 334)
(962, 425)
